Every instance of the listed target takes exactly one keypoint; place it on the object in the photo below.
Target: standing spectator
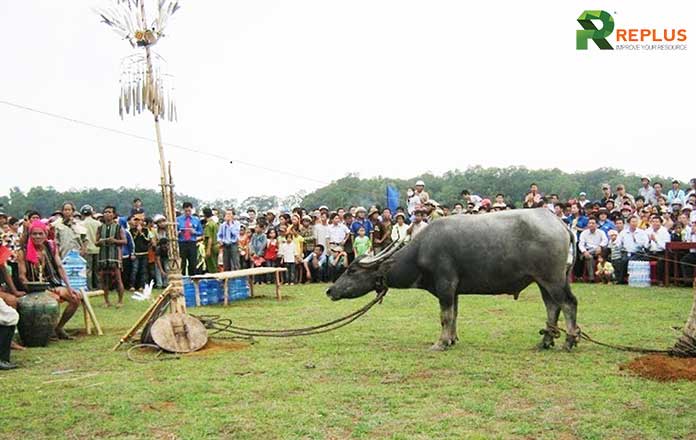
(348, 247)
(321, 231)
(606, 196)
(591, 244)
(387, 225)
(378, 234)
(657, 186)
(614, 247)
(361, 221)
(647, 191)
(68, 233)
(288, 252)
(468, 197)
(307, 232)
(243, 247)
(418, 224)
(92, 251)
(622, 195)
(633, 241)
(692, 188)
(271, 252)
(257, 249)
(675, 193)
(433, 211)
(109, 240)
(210, 241)
(577, 222)
(582, 199)
(400, 229)
(127, 251)
(338, 232)
(190, 229)
(137, 208)
(420, 192)
(413, 201)
(658, 237)
(228, 238)
(141, 243)
(362, 243)
(161, 251)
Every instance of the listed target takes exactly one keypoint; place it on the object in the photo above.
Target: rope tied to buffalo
(685, 346)
(224, 325)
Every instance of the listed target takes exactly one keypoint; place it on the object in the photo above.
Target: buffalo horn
(387, 252)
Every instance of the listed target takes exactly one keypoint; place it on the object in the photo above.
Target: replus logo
(590, 32)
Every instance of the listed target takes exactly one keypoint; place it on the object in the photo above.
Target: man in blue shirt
(361, 221)
(228, 237)
(189, 229)
(604, 223)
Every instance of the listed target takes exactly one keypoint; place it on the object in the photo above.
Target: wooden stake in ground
(686, 344)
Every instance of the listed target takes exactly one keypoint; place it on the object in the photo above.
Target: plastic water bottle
(76, 269)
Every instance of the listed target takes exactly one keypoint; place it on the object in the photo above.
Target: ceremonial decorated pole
(146, 86)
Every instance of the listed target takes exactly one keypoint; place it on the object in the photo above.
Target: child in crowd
(614, 248)
(298, 241)
(362, 243)
(604, 271)
(271, 253)
(243, 246)
(288, 252)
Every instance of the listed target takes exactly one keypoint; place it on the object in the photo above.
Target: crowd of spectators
(127, 252)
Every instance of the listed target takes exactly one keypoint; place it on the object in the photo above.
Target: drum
(38, 316)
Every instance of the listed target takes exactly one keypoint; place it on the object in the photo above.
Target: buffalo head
(364, 275)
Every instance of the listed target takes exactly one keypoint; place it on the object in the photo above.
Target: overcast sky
(323, 88)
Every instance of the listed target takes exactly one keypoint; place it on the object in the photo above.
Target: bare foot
(16, 346)
(107, 305)
(119, 305)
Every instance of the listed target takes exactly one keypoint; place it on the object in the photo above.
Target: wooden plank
(277, 278)
(143, 318)
(92, 316)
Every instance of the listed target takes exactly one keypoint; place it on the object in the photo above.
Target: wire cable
(170, 144)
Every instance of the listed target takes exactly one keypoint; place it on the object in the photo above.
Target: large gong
(179, 333)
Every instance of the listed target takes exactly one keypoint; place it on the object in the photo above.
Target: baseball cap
(420, 183)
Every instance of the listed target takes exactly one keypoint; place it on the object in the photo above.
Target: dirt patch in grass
(662, 368)
(217, 346)
(158, 406)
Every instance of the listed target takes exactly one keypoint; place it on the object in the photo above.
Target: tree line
(349, 190)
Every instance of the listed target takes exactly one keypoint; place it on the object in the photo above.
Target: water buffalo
(489, 254)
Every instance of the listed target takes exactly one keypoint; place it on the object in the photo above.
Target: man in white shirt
(592, 243)
(321, 232)
(647, 191)
(658, 237)
(634, 241)
(338, 232)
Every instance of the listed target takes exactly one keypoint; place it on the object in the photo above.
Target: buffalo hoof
(571, 341)
(442, 345)
(546, 343)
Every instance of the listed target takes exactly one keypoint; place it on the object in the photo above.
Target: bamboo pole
(143, 318)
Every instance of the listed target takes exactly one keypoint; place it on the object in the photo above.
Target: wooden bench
(673, 253)
(242, 273)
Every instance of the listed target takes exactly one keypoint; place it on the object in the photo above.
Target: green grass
(372, 379)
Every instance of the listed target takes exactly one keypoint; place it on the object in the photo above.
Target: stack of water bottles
(76, 268)
(237, 289)
(639, 273)
(189, 292)
(212, 291)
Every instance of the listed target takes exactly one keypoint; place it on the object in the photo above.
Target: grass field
(372, 379)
